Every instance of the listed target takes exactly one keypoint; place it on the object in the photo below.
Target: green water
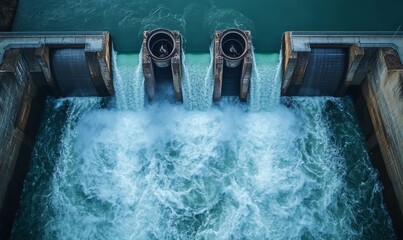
(197, 20)
(195, 171)
(226, 173)
(123, 168)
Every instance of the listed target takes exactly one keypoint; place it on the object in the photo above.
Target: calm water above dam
(122, 169)
(197, 19)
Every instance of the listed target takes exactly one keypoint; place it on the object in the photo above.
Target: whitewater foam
(265, 83)
(198, 81)
(164, 172)
(128, 81)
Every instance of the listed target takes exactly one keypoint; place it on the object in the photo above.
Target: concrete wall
(373, 75)
(230, 79)
(360, 48)
(21, 103)
(94, 45)
(151, 64)
(383, 93)
(26, 78)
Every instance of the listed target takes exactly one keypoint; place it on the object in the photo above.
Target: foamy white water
(128, 81)
(165, 172)
(198, 81)
(265, 86)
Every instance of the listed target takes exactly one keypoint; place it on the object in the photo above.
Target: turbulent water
(128, 81)
(198, 81)
(266, 82)
(261, 170)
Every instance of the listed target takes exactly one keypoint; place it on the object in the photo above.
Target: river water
(197, 19)
(271, 168)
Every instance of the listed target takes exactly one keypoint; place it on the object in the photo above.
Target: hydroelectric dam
(230, 143)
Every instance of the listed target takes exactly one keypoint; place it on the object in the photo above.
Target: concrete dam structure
(162, 60)
(232, 63)
(71, 65)
(33, 66)
(368, 67)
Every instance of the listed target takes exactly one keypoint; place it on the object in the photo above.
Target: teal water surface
(197, 19)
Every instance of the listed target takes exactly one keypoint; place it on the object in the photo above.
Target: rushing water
(296, 170)
(197, 19)
(198, 82)
(128, 81)
(265, 85)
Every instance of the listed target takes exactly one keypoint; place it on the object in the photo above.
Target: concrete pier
(27, 75)
(162, 60)
(21, 104)
(232, 63)
(382, 91)
(367, 66)
(352, 53)
(86, 54)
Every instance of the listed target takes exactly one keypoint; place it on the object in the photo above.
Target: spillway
(128, 81)
(71, 72)
(198, 81)
(266, 82)
(289, 167)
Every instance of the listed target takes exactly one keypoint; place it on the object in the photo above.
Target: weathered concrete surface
(13, 80)
(92, 41)
(246, 77)
(42, 58)
(21, 101)
(104, 62)
(374, 67)
(149, 77)
(26, 78)
(356, 54)
(383, 93)
(8, 8)
(95, 45)
(294, 64)
(155, 67)
(361, 47)
(220, 60)
(377, 160)
(302, 41)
